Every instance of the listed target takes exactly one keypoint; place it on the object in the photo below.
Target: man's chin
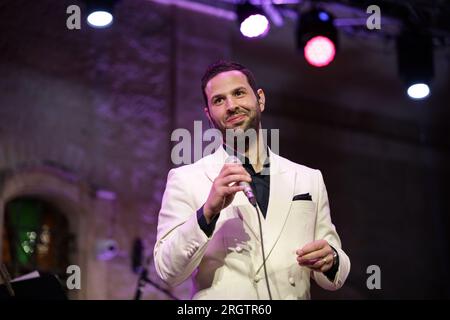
(238, 129)
(244, 125)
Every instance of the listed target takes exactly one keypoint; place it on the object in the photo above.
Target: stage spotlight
(418, 90)
(317, 37)
(415, 63)
(319, 51)
(252, 21)
(100, 13)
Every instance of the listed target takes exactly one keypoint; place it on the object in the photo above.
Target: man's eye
(239, 93)
(218, 100)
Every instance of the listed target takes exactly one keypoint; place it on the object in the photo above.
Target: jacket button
(238, 249)
(257, 278)
(291, 281)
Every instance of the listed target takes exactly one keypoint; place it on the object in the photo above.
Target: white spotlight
(100, 19)
(418, 91)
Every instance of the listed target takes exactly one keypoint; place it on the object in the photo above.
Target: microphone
(247, 188)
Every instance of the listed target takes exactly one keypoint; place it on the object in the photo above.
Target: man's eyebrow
(219, 95)
(239, 88)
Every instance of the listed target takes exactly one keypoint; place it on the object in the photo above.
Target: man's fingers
(326, 263)
(231, 168)
(315, 254)
(325, 267)
(232, 190)
(312, 246)
(234, 178)
(320, 264)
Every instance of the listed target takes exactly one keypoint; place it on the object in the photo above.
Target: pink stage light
(319, 51)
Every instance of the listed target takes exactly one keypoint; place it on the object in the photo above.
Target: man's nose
(231, 105)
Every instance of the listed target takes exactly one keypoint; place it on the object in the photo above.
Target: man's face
(232, 104)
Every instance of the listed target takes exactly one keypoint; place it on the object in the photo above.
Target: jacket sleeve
(327, 231)
(180, 243)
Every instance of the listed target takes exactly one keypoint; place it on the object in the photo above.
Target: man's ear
(261, 99)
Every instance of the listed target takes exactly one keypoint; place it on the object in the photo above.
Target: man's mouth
(236, 118)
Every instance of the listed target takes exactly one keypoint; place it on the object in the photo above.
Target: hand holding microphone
(231, 179)
(247, 188)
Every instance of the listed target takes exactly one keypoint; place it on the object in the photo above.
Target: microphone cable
(262, 249)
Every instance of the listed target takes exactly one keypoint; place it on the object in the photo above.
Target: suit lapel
(214, 163)
(247, 214)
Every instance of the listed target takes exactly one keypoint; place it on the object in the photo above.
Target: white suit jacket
(229, 265)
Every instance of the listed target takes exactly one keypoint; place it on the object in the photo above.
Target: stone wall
(93, 105)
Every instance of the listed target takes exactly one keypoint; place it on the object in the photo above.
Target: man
(209, 231)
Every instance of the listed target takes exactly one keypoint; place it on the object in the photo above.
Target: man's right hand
(224, 188)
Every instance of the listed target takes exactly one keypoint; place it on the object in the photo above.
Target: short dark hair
(224, 66)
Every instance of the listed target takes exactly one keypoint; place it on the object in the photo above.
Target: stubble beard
(244, 134)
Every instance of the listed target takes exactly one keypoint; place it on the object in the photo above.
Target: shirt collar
(246, 161)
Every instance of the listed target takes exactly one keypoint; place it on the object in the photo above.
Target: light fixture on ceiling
(317, 37)
(253, 23)
(100, 13)
(415, 63)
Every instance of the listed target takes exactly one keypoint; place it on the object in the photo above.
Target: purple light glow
(324, 16)
(256, 25)
(319, 51)
(106, 195)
